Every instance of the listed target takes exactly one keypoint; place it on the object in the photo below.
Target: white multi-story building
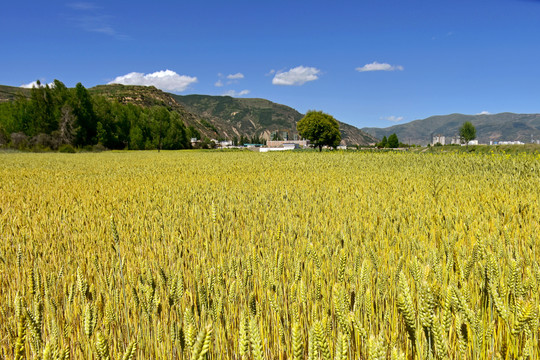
(439, 139)
(455, 140)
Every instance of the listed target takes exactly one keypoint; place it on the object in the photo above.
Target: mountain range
(489, 127)
(225, 117)
(235, 116)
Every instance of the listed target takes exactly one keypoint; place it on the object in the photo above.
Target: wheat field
(240, 255)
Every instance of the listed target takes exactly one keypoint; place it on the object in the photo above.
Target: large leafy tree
(393, 141)
(320, 129)
(467, 132)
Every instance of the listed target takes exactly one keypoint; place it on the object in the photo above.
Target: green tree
(467, 132)
(136, 138)
(162, 121)
(83, 110)
(319, 128)
(11, 119)
(175, 137)
(393, 141)
(127, 116)
(193, 133)
(106, 131)
(60, 95)
(243, 140)
(256, 139)
(42, 120)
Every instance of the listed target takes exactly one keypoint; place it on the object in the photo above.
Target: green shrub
(66, 148)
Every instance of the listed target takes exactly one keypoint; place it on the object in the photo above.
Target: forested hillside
(51, 116)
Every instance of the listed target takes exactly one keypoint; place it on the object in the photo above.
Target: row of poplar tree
(55, 116)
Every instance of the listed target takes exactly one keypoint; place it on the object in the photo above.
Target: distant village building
(291, 146)
(456, 140)
(439, 139)
(283, 135)
(282, 143)
(267, 149)
(506, 143)
(225, 143)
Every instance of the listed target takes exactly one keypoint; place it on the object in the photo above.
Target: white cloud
(392, 118)
(236, 76)
(233, 93)
(484, 113)
(232, 79)
(296, 76)
(375, 66)
(270, 73)
(167, 80)
(34, 84)
(90, 17)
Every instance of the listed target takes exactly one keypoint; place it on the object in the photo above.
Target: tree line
(391, 142)
(55, 117)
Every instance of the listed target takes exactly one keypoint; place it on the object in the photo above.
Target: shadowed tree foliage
(393, 141)
(320, 129)
(86, 125)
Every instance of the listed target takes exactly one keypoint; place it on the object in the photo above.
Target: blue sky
(368, 63)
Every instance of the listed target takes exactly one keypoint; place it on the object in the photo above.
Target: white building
(283, 147)
(267, 149)
(439, 139)
(506, 143)
(455, 140)
(225, 143)
(280, 143)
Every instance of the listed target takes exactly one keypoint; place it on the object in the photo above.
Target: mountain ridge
(504, 126)
(261, 116)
